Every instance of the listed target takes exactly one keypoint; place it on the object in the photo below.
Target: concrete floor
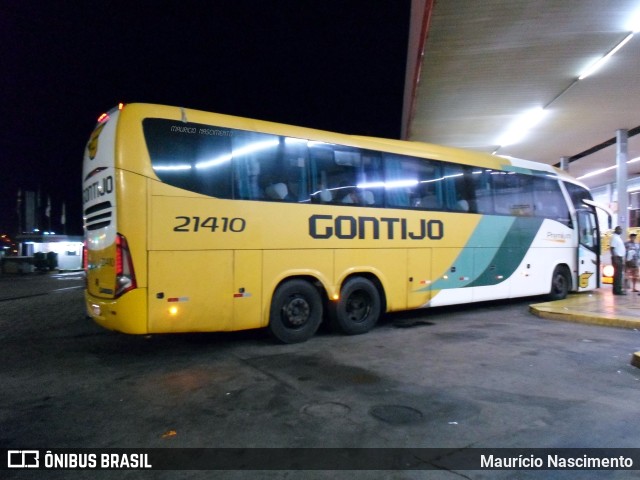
(490, 375)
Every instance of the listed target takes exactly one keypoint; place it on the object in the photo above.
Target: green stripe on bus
(511, 236)
(506, 258)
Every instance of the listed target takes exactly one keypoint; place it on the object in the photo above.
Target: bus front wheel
(560, 283)
(358, 309)
(296, 312)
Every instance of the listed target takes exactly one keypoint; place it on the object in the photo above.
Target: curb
(567, 315)
(635, 360)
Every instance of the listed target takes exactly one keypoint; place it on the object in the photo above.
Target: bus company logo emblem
(584, 279)
(23, 459)
(92, 146)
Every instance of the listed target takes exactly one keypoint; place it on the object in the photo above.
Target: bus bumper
(127, 314)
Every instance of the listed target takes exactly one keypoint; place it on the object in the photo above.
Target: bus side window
(426, 194)
(483, 190)
(549, 201)
(371, 180)
(334, 172)
(407, 182)
(513, 194)
(255, 157)
(457, 190)
(294, 162)
(397, 170)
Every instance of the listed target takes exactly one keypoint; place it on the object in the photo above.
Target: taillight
(85, 264)
(85, 258)
(125, 275)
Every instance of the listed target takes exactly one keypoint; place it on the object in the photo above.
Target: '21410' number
(213, 224)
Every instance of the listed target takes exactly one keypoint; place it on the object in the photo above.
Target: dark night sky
(328, 64)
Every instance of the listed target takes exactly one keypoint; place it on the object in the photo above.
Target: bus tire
(560, 283)
(358, 309)
(296, 311)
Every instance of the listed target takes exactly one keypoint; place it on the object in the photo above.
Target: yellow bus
(198, 221)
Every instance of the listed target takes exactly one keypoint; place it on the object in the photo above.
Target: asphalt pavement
(490, 375)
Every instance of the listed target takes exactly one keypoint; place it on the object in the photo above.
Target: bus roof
(401, 147)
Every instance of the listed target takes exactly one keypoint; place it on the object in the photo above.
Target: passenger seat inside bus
(368, 198)
(360, 197)
(277, 191)
(462, 205)
(429, 201)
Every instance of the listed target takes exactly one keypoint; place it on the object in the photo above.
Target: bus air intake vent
(98, 216)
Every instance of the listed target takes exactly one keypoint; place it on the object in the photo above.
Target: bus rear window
(190, 156)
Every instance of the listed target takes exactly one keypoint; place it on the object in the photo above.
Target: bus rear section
(108, 260)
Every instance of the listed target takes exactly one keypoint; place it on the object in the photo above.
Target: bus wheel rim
(358, 307)
(296, 312)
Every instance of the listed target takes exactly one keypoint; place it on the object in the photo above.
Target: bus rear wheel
(560, 283)
(358, 309)
(296, 312)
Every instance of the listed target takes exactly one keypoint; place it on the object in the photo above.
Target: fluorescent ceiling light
(634, 22)
(595, 66)
(521, 126)
(597, 172)
(607, 169)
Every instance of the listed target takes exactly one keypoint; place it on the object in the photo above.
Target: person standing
(618, 254)
(631, 262)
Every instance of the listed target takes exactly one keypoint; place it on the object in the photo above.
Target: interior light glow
(255, 147)
(216, 161)
(521, 126)
(295, 141)
(392, 184)
(238, 152)
(442, 178)
(169, 168)
(401, 183)
(371, 185)
(595, 66)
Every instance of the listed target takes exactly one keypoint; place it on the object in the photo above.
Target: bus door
(588, 250)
